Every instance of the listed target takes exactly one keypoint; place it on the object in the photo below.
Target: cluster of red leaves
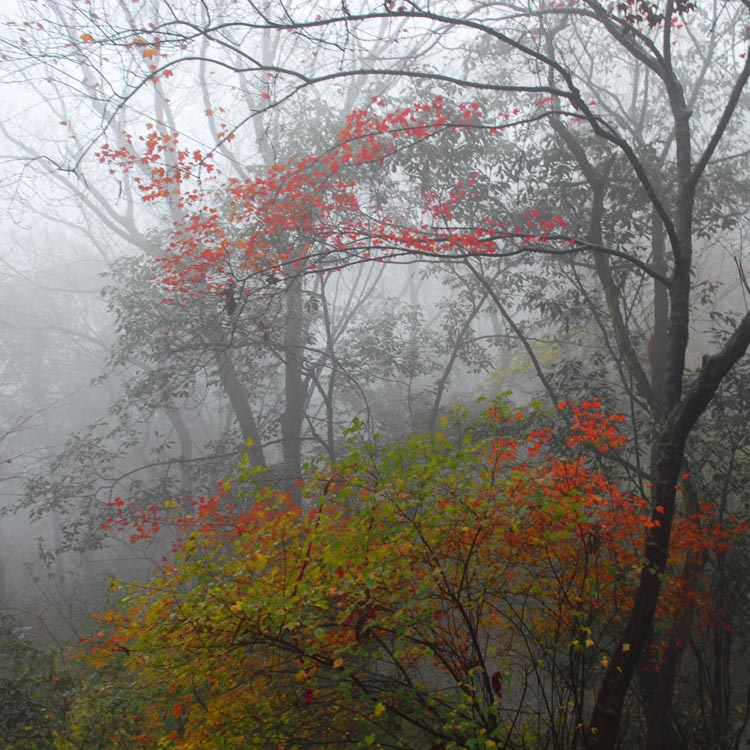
(316, 212)
(162, 168)
(591, 426)
(214, 514)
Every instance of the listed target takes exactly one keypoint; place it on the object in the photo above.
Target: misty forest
(374, 375)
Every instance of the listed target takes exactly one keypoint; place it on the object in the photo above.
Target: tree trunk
(605, 720)
(294, 389)
(240, 402)
(658, 344)
(658, 684)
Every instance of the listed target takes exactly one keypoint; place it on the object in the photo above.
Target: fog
(231, 233)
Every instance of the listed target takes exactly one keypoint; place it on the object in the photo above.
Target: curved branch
(492, 294)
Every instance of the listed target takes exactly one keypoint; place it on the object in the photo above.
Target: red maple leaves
(321, 211)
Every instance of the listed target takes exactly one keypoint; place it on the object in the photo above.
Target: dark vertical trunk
(333, 364)
(681, 412)
(240, 402)
(657, 685)
(673, 333)
(605, 720)
(658, 344)
(294, 389)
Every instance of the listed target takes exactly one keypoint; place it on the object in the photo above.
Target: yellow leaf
(626, 647)
(338, 663)
(379, 709)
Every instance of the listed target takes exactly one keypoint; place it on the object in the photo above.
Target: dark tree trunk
(240, 402)
(605, 720)
(657, 685)
(658, 344)
(294, 385)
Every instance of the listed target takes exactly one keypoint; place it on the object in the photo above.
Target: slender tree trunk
(658, 344)
(445, 375)
(186, 447)
(183, 436)
(657, 685)
(294, 389)
(240, 402)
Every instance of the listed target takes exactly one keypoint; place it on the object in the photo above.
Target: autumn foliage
(322, 211)
(464, 589)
